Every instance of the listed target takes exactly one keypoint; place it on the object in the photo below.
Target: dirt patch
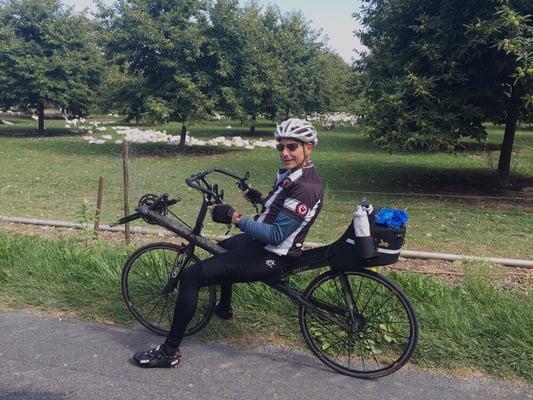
(55, 233)
(448, 271)
(454, 272)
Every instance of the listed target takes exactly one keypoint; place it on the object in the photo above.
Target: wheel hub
(357, 324)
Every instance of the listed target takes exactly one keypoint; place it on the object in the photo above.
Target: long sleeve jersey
(288, 212)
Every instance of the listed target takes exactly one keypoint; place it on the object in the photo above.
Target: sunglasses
(291, 146)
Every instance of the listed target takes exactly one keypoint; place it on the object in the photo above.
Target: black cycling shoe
(156, 358)
(223, 312)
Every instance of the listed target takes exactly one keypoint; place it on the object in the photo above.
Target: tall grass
(475, 325)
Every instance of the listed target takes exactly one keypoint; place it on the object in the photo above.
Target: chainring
(149, 200)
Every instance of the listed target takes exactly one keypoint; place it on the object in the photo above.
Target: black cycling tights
(245, 261)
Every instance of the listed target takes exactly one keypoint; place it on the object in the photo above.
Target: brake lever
(243, 186)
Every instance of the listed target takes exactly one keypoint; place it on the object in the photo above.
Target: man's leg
(223, 308)
(248, 264)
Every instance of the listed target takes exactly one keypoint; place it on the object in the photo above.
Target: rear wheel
(371, 329)
(144, 277)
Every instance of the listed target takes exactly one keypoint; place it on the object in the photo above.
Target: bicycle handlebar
(197, 182)
(211, 190)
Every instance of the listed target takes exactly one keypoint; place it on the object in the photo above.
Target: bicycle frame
(195, 239)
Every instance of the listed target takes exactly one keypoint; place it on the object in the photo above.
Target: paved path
(59, 359)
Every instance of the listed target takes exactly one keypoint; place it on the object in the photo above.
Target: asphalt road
(56, 358)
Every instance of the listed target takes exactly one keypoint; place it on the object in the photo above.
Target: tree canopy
(436, 71)
(48, 57)
(162, 42)
(193, 57)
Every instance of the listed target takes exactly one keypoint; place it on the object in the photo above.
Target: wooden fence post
(125, 159)
(98, 205)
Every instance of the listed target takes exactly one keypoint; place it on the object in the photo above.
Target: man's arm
(272, 234)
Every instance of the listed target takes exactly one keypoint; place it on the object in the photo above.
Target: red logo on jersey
(287, 182)
(302, 209)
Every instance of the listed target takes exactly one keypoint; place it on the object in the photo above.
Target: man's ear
(309, 148)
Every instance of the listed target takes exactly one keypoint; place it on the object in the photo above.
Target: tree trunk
(40, 110)
(182, 135)
(504, 164)
(252, 126)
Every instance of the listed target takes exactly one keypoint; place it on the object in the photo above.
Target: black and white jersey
(300, 195)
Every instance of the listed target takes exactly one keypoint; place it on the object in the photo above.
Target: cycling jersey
(288, 212)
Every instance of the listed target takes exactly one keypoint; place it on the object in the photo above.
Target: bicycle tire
(387, 330)
(145, 273)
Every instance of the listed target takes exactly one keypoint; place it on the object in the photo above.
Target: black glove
(222, 213)
(254, 196)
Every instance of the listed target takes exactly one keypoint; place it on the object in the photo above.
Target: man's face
(291, 152)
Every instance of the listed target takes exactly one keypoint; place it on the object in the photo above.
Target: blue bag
(391, 217)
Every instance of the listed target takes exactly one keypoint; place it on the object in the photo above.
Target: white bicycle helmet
(297, 129)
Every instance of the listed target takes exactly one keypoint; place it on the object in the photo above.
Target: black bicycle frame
(195, 239)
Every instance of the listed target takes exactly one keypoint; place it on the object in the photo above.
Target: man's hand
(254, 196)
(222, 213)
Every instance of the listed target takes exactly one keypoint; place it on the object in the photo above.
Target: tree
(331, 82)
(262, 81)
(162, 41)
(244, 43)
(505, 37)
(284, 67)
(223, 54)
(122, 92)
(436, 71)
(300, 49)
(47, 57)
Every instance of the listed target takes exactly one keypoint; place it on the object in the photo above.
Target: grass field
(51, 177)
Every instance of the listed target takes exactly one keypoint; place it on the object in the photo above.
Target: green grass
(50, 177)
(475, 325)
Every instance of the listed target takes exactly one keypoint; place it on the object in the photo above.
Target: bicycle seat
(313, 258)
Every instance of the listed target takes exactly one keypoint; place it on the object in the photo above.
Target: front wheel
(144, 288)
(360, 324)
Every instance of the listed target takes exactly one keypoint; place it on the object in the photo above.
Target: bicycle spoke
(145, 279)
(151, 268)
(382, 304)
(165, 260)
(154, 307)
(361, 282)
(362, 354)
(331, 293)
(374, 357)
(340, 294)
(332, 344)
(370, 298)
(388, 311)
(330, 330)
(389, 332)
(149, 264)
